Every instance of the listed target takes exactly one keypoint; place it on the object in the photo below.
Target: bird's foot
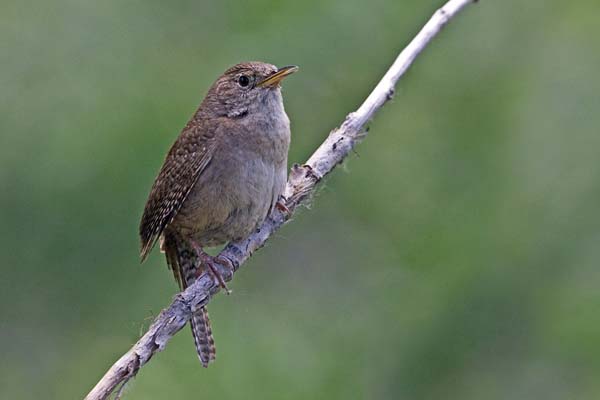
(280, 205)
(210, 261)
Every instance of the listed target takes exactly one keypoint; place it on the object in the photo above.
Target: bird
(221, 178)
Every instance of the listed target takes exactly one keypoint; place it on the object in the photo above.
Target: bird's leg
(280, 205)
(210, 261)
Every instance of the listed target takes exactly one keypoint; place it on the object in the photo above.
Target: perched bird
(220, 179)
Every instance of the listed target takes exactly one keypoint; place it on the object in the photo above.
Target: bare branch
(301, 183)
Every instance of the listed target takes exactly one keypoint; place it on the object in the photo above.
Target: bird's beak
(276, 77)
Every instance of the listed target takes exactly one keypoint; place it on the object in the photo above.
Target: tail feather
(181, 259)
(203, 339)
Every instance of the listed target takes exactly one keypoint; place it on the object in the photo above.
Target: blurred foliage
(456, 257)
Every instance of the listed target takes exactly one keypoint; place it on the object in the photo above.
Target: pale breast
(232, 196)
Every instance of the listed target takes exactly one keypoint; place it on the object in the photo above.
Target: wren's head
(244, 89)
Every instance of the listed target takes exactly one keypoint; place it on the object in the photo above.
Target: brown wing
(184, 163)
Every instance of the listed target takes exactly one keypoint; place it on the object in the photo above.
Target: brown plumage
(221, 177)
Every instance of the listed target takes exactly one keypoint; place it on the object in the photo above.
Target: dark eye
(243, 81)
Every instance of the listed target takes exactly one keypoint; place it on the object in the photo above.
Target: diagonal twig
(300, 185)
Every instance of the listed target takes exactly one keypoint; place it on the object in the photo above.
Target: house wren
(220, 179)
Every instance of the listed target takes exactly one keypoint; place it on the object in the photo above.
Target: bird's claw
(280, 205)
(226, 262)
(210, 261)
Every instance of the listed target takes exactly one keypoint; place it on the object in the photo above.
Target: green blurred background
(455, 257)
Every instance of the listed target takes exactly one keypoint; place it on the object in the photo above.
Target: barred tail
(182, 261)
(203, 338)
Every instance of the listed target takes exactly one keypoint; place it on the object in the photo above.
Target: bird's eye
(243, 81)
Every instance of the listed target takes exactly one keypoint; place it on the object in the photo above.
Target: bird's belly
(229, 200)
